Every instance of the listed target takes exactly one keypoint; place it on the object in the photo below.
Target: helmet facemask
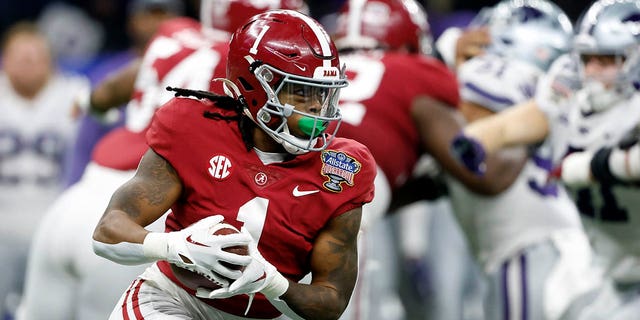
(610, 85)
(298, 109)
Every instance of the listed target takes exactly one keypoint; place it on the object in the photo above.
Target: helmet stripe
(320, 35)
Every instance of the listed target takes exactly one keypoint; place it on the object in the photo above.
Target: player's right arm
(517, 126)
(114, 91)
(522, 124)
(117, 89)
(121, 237)
(139, 202)
(438, 125)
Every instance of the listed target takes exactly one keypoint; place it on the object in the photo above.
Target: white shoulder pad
(496, 83)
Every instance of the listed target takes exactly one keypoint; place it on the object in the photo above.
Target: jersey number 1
(253, 215)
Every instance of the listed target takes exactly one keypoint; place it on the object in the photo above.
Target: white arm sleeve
(126, 253)
(153, 248)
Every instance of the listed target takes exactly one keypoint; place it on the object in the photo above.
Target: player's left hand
(472, 42)
(259, 276)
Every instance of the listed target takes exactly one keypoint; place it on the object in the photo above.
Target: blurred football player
(587, 101)
(143, 19)
(529, 245)
(398, 99)
(456, 45)
(184, 52)
(263, 159)
(36, 132)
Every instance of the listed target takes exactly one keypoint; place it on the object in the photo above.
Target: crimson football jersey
(182, 55)
(376, 106)
(283, 205)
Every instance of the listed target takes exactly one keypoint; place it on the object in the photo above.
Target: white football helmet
(610, 28)
(533, 31)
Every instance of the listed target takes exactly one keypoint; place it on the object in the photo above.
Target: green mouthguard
(307, 125)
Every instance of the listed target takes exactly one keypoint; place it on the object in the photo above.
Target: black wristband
(600, 167)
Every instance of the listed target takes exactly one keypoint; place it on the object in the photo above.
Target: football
(194, 280)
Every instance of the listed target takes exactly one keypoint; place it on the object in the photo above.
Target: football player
(530, 243)
(263, 159)
(184, 52)
(36, 134)
(400, 104)
(587, 101)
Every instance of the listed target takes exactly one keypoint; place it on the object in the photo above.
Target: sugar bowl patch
(339, 168)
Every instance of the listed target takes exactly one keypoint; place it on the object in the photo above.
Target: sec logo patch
(220, 167)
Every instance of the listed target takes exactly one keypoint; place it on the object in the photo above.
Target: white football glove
(258, 276)
(576, 169)
(196, 249)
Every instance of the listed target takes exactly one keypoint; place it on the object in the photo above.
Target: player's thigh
(516, 289)
(630, 308)
(142, 300)
(544, 279)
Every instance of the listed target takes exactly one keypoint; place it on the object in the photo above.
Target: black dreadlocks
(245, 124)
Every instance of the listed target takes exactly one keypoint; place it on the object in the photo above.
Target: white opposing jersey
(611, 214)
(35, 136)
(496, 83)
(533, 207)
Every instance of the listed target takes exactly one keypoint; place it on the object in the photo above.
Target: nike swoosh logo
(298, 193)
(301, 68)
(195, 242)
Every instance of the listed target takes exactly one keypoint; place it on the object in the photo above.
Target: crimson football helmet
(284, 51)
(228, 15)
(388, 24)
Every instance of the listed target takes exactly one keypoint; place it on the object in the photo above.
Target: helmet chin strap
(290, 142)
(287, 140)
(598, 98)
(229, 87)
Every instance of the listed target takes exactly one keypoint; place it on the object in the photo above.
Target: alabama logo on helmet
(339, 168)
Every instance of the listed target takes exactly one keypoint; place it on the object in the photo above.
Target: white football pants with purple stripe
(541, 281)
